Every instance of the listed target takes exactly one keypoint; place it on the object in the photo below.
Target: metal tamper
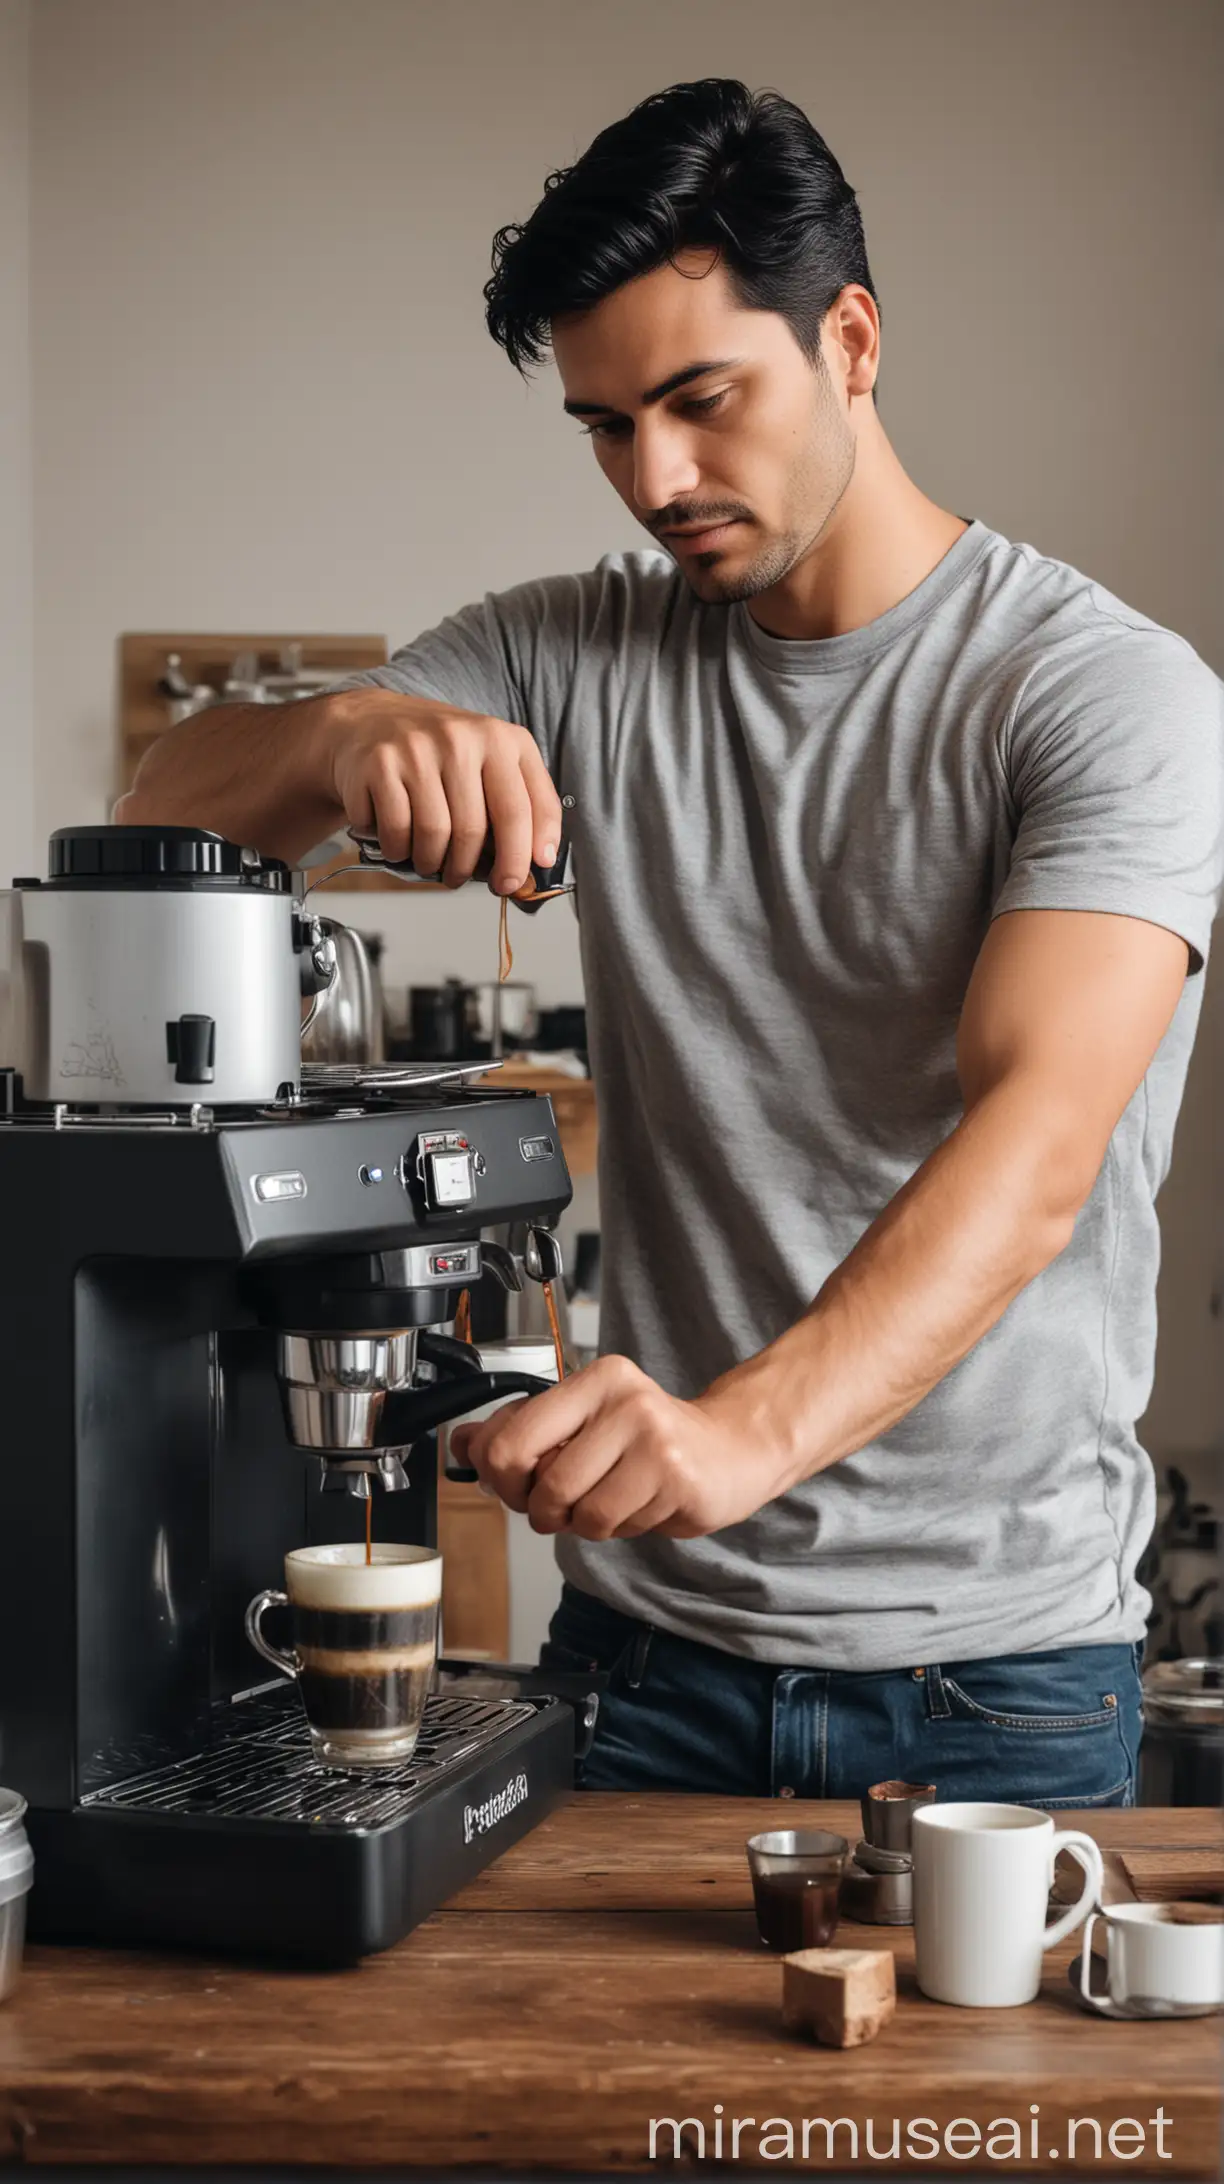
(878, 1882)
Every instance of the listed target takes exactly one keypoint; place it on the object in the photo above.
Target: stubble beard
(820, 483)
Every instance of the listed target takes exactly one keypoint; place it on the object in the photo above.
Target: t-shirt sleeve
(1115, 761)
(512, 655)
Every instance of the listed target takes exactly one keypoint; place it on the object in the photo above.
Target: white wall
(18, 852)
(266, 398)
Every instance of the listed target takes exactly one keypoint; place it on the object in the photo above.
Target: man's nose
(664, 469)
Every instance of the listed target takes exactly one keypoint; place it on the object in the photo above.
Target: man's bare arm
(1064, 1013)
(428, 778)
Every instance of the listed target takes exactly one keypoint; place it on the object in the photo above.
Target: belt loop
(937, 1698)
(638, 1655)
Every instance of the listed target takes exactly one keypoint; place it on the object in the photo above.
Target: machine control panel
(380, 1180)
(447, 1166)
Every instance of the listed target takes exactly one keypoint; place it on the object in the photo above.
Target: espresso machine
(225, 1309)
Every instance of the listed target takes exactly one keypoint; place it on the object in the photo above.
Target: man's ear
(851, 339)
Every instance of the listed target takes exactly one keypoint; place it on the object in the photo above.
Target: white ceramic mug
(982, 1879)
(1156, 1966)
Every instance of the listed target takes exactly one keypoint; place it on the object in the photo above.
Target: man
(898, 849)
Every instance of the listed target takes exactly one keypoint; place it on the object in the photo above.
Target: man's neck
(883, 538)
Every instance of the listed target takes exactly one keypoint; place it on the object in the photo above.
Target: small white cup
(1155, 1967)
(982, 1879)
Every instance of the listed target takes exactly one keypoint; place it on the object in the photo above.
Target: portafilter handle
(410, 1413)
(546, 881)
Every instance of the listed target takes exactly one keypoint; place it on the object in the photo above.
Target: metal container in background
(437, 1028)
(1181, 1758)
(349, 1023)
(503, 1014)
(16, 1881)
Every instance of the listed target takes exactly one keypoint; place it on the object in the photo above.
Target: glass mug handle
(1088, 1854)
(285, 1662)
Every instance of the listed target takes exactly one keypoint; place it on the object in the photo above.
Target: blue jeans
(1057, 1729)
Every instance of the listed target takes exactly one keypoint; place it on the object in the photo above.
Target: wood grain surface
(604, 1972)
(1161, 1876)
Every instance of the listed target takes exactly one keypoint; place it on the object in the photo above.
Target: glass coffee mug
(364, 1646)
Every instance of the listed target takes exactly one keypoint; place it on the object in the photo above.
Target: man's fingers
(431, 819)
(469, 818)
(653, 1517)
(563, 1477)
(509, 808)
(470, 1437)
(519, 1437)
(626, 1490)
(510, 1478)
(522, 1444)
(545, 805)
(392, 809)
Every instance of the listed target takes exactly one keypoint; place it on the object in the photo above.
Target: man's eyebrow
(655, 394)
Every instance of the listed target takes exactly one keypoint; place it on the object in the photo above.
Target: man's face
(725, 441)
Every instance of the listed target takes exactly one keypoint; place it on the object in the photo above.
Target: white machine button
(290, 1183)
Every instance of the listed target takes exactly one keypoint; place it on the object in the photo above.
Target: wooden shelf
(143, 713)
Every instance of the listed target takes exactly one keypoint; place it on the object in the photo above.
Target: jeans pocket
(1033, 1724)
(1043, 1729)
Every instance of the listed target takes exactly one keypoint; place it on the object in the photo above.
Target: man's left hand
(608, 1455)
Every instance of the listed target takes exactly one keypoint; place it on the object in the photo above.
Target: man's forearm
(993, 1205)
(255, 773)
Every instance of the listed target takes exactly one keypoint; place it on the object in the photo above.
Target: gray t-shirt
(788, 855)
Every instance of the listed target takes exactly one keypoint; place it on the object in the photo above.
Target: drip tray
(263, 1769)
(250, 1847)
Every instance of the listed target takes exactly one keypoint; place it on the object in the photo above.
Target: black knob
(191, 1044)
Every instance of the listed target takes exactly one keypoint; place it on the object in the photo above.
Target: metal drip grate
(264, 1769)
(325, 1079)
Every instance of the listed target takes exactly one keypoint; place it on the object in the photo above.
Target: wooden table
(604, 1973)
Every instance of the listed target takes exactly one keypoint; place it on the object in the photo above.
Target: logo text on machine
(478, 1819)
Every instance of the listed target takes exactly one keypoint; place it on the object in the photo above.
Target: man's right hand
(430, 780)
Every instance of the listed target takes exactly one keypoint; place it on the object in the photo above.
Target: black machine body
(152, 1481)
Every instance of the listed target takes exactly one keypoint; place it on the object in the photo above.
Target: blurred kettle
(349, 1023)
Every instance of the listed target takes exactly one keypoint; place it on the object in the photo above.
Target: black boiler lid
(158, 857)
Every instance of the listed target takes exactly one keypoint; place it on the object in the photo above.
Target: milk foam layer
(339, 1577)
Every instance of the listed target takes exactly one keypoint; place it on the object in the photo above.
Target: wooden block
(1161, 1876)
(842, 1996)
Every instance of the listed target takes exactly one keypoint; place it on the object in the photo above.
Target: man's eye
(608, 428)
(702, 405)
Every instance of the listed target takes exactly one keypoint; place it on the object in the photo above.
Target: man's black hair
(702, 165)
